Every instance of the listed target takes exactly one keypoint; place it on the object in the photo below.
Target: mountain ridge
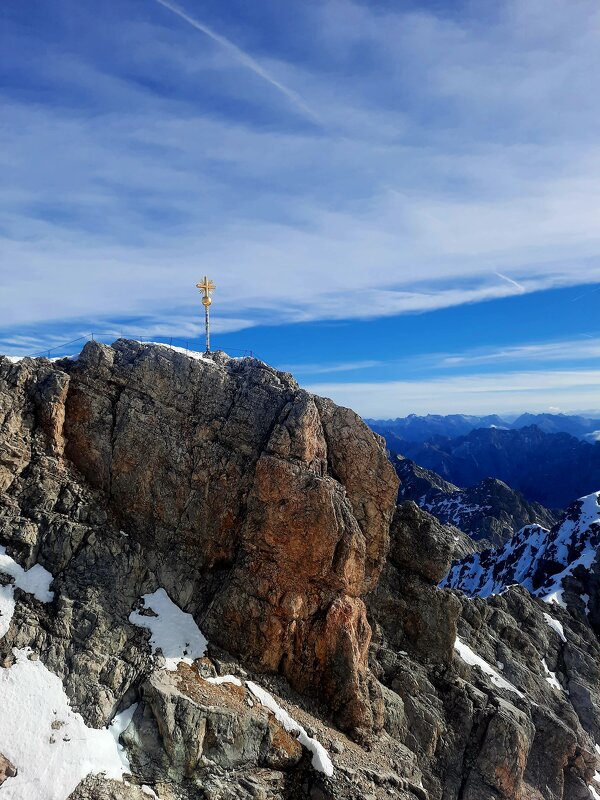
(489, 512)
(548, 468)
(421, 428)
(210, 561)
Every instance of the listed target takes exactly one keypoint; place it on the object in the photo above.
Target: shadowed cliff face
(273, 504)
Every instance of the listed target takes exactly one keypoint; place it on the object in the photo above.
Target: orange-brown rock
(263, 509)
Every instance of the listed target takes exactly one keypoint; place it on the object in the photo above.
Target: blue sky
(398, 201)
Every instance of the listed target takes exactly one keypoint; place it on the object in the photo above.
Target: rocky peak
(489, 512)
(260, 508)
(200, 554)
(548, 563)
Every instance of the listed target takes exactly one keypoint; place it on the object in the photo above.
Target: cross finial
(206, 286)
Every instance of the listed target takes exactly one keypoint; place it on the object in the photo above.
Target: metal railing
(171, 342)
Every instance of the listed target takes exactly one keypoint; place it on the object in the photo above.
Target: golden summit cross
(206, 287)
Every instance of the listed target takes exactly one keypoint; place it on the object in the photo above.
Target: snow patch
(556, 626)
(320, 759)
(551, 677)
(36, 581)
(471, 658)
(174, 632)
(49, 744)
(224, 679)
(120, 724)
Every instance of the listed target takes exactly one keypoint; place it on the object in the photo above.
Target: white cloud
(565, 350)
(503, 393)
(440, 162)
(320, 369)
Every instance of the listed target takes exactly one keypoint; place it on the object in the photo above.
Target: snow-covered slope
(490, 512)
(537, 558)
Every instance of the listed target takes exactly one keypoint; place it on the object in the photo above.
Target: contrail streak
(243, 58)
(581, 296)
(506, 278)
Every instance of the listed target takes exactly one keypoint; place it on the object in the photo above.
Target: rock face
(269, 515)
(497, 711)
(490, 512)
(262, 508)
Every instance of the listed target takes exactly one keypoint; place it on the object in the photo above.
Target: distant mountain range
(490, 512)
(416, 428)
(548, 563)
(548, 468)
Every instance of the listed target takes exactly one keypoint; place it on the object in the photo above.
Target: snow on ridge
(219, 679)
(556, 626)
(320, 758)
(195, 354)
(471, 658)
(176, 634)
(521, 560)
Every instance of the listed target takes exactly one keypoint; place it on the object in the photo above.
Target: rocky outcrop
(266, 513)
(414, 615)
(482, 691)
(7, 770)
(260, 508)
(489, 512)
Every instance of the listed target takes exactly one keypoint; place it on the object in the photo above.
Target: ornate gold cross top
(207, 286)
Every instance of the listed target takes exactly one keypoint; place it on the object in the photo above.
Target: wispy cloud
(407, 199)
(322, 369)
(570, 350)
(244, 59)
(499, 393)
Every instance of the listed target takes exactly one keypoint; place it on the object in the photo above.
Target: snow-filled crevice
(471, 658)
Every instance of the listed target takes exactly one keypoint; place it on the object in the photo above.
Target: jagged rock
(544, 561)
(420, 544)
(414, 614)
(7, 769)
(489, 512)
(262, 509)
(98, 788)
(265, 512)
(199, 723)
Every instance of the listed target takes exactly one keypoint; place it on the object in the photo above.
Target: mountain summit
(208, 591)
